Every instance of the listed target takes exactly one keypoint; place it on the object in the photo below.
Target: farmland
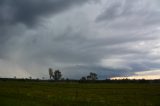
(25, 93)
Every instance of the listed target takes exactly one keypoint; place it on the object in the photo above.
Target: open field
(19, 93)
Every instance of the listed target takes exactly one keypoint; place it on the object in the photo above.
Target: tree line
(93, 77)
(57, 75)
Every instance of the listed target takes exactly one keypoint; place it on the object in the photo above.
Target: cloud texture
(111, 37)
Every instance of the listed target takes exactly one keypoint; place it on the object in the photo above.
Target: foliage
(56, 75)
(92, 76)
(51, 73)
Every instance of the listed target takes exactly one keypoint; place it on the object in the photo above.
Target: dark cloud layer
(112, 38)
(29, 11)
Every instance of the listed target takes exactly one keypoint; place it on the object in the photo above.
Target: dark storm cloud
(29, 11)
(112, 37)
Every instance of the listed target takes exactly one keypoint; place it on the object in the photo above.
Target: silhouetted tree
(83, 78)
(67, 79)
(30, 77)
(92, 76)
(51, 73)
(43, 78)
(57, 75)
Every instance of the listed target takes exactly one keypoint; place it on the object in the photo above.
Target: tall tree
(57, 75)
(92, 76)
(51, 73)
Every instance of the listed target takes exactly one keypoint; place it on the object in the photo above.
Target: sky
(113, 38)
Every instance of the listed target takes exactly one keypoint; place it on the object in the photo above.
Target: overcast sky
(113, 38)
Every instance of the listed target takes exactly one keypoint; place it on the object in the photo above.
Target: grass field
(14, 93)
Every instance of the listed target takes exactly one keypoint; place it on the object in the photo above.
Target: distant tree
(83, 78)
(67, 79)
(43, 78)
(51, 73)
(30, 77)
(92, 76)
(57, 75)
(37, 79)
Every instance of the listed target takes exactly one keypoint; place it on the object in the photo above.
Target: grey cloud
(123, 36)
(111, 12)
(15, 15)
(29, 11)
(132, 14)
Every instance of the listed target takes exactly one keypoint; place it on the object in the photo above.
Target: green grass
(14, 93)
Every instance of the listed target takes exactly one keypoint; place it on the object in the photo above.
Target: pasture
(19, 93)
